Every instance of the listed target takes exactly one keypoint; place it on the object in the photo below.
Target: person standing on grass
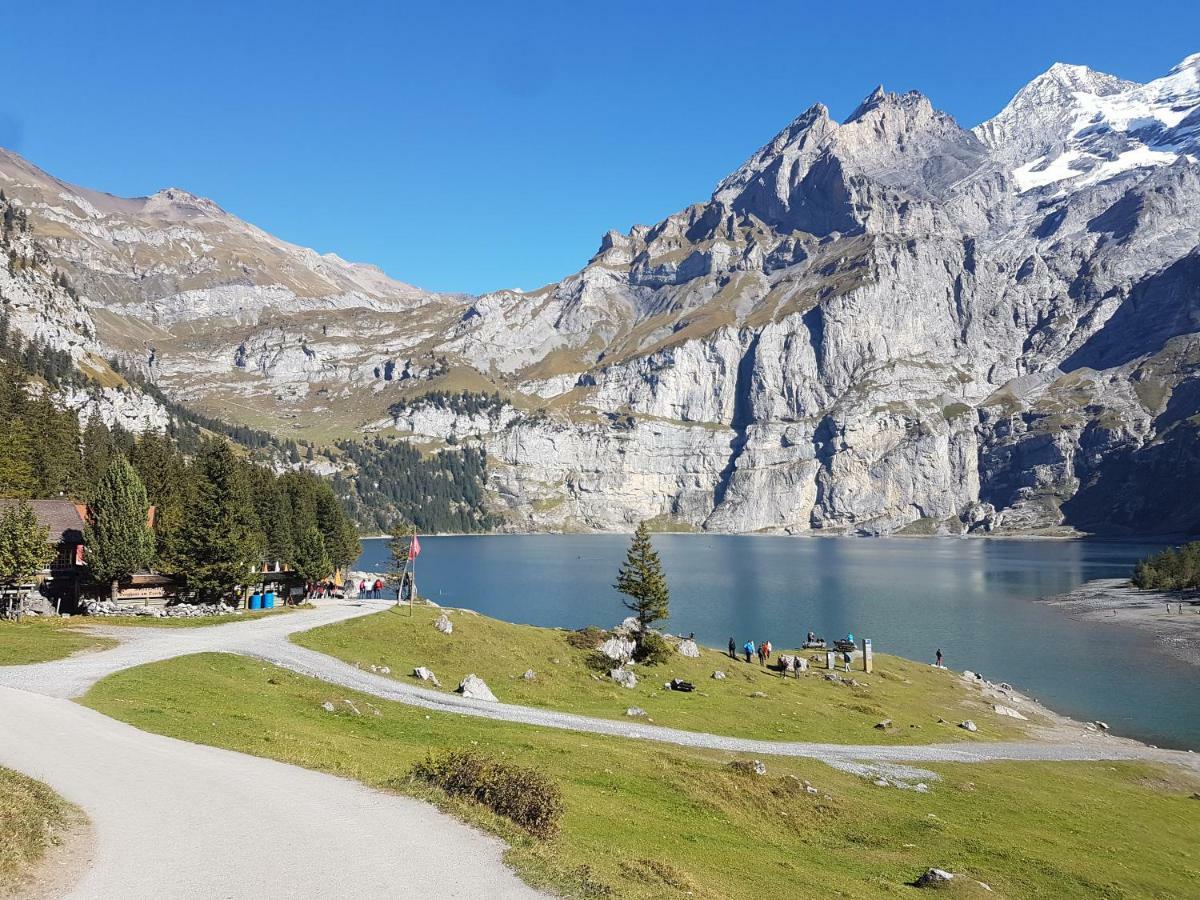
(732, 649)
(939, 659)
(769, 649)
(748, 649)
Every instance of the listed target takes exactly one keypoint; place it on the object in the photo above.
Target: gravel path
(180, 820)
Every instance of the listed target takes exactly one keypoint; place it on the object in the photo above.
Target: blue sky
(474, 146)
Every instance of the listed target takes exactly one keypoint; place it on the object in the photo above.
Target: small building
(59, 581)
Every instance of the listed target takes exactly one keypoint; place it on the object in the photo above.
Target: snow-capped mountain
(886, 323)
(1072, 126)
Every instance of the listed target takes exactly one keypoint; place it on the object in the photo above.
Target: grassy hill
(653, 822)
(924, 704)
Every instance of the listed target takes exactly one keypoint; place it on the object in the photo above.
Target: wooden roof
(62, 517)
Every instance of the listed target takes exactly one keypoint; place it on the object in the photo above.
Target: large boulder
(623, 677)
(473, 688)
(1007, 711)
(444, 625)
(934, 878)
(618, 649)
(688, 648)
(628, 627)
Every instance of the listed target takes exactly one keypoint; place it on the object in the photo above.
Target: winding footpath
(175, 819)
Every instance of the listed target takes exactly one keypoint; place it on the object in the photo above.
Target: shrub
(652, 649)
(522, 795)
(587, 638)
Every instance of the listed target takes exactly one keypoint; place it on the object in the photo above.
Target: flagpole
(412, 587)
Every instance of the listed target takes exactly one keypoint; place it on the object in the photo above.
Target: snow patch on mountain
(1078, 127)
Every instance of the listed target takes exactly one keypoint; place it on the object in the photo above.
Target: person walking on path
(748, 649)
(732, 649)
(939, 659)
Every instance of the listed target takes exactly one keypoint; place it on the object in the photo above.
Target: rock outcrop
(890, 323)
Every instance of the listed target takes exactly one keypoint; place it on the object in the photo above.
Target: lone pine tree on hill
(641, 579)
(118, 537)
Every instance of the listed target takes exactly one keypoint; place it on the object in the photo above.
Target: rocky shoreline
(1114, 601)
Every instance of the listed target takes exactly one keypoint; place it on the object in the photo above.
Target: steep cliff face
(887, 323)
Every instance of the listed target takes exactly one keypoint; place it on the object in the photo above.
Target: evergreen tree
(641, 579)
(17, 476)
(25, 547)
(118, 539)
(399, 548)
(219, 542)
(168, 480)
(310, 558)
(55, 449)
(339, 533)
(97, 450)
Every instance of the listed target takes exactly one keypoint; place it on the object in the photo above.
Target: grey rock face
(890, 323)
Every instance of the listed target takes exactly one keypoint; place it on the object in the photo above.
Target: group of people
(370, 590)
(750, 648)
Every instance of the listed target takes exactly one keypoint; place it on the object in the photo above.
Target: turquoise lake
(973, 598)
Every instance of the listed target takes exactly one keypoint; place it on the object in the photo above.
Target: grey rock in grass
(618, 649)
(718, 675)
(1007, 711)
(426, 675)
(968, 725)
(623, 677)
(635, 712)
(444, 625)
(529, 675)
(688, 648)
(934, 878)
(473, 688)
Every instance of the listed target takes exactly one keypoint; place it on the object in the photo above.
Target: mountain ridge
(872, 325)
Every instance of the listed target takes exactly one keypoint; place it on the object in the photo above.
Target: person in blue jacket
(748, 649)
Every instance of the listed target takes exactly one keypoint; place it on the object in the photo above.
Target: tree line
(1173, 569)
(218, 514)
(394, 484)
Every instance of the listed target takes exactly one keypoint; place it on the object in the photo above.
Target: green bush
(522, 795)
(652, 649)
(587, 638)
(1174, 569)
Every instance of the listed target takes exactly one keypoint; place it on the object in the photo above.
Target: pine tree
(17, 476)
(310, 558)
(25, 547)
(118, 539)
(641, 579)
(97, 449)
(219, 541)
(399, 547)
(339, 533)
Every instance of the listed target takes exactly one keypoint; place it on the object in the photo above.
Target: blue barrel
(269, 600)
(256, 601)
